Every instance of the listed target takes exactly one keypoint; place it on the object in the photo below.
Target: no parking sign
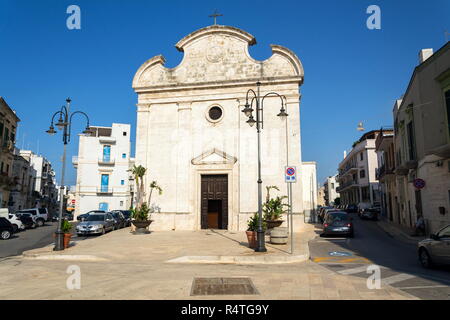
(290, 174)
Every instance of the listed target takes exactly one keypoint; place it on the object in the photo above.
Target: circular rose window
(215, 114)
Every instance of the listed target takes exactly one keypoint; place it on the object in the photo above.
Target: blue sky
(352, 73)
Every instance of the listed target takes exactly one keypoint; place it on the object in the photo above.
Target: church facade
(194, 140)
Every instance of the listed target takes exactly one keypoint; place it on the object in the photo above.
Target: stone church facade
(194, 140)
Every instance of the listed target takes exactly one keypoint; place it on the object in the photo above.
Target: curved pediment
(218, 54)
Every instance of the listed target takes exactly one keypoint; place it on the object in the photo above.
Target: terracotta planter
(67, 237)
(273, 223)
(251, 237)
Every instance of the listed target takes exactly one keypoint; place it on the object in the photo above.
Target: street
(397, 260)
(32, 239)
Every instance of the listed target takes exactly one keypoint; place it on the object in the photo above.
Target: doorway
(214, 201)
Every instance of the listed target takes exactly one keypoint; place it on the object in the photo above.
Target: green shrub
(66, 226)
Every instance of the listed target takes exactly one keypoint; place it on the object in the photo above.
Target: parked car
(327, 212)
(127, 216)
(338, 223)
(120, 221)
(16, 223)
(322, 212)
(6, 229)
(39, 215)
(436, 249)
(370, 213)
(352, 208)
(84, 216)
(27, 220)
(96, 223)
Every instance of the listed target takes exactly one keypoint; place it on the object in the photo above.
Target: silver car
(436, 249)
(96, 223)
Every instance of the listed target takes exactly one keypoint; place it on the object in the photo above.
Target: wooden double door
(214, 201)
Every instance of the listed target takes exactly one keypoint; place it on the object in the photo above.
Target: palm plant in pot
(273, 209)
(66, 228)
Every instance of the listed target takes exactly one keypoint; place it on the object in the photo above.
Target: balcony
(347, 185)
(104, 190)
(104, 139)
(106, 161)
(382, 172)
(75, 161)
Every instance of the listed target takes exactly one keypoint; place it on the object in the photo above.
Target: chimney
(424, 54)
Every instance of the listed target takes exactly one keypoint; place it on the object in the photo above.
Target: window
(411, 141)
(106, 153)
(124, 133)
(124, 155)
(362, 174)
(121, 203)
(122, 182)
(332, 185)
(214, 114)
(361, 156)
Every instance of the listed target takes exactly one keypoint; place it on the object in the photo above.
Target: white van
(40, 215)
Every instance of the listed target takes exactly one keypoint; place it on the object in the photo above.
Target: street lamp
(64, 123)
(248, 111)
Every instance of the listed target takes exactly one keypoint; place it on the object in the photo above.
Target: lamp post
(64, 123)
(259, 110)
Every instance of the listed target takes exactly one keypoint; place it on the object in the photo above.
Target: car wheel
(40, 223)
(5, 235)
(103, 231)
(425, 259)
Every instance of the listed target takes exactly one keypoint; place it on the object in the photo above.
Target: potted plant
(66, 227)
(251, 230)
(273, 209)
(141, 218)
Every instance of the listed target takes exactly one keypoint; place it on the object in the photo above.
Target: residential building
(103, 169)
(321, 196)
(8, 127)
(23, 195)
(422, 143)
(45, 181)
(384, 147)
(356, 178)
(330, 194)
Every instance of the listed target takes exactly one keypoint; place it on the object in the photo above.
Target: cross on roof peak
(215, 15)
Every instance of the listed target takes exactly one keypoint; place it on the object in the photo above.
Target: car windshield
(126, 213)
(96, 217)
(339, 216)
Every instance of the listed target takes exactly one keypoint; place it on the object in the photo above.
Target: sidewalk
(400, 232)
(164, 265)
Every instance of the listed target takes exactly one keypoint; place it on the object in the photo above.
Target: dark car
(84, 216)
(352, 208)
(27, 220)
(6, 229)
(127, 215)
(338, 223)
(321, 213)
(370, 213)
(120, 220)
(436, 249)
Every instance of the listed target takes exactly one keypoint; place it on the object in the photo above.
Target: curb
(395, 233)
(61, 257)
(240, 259)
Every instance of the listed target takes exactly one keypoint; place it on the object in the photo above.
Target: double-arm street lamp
(259, 110)
(64, 123)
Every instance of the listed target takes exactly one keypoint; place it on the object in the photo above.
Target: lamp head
(87, 130)
(247, 110)
(51, 130)
(282, 113)
(251, 121)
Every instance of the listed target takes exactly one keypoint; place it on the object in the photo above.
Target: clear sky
(352, 73)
